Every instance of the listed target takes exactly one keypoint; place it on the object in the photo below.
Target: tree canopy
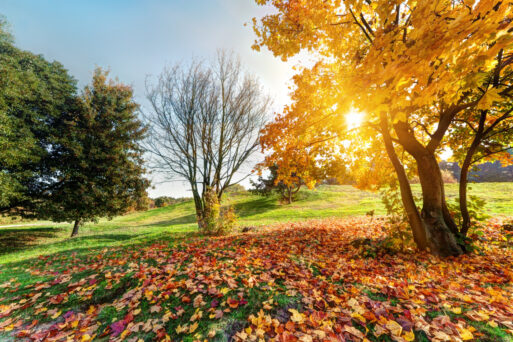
(34, 94)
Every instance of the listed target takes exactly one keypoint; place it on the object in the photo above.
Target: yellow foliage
(405, 61)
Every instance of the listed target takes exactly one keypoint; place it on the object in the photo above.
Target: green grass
(22, 243)
(31, 255)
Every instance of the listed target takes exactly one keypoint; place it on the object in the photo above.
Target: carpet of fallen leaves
(304, 281)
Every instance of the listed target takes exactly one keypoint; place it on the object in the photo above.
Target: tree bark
(199, 205)
(441, 239)
(447, 214)
(76, 226)
(437, 222)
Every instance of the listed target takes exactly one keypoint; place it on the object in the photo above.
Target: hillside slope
(20, 243)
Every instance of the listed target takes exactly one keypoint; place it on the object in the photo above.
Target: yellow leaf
(124, 334)
(456, 310)
(242, 335)
(492, 95)
(86, 337)
(193, 327)
(360, 317)
(467, 298)
(197, 315)
(296, 317)
(395, 328)
(57, 314)
(466, 335)
(409, 336)
(181, 329)
(493, 324)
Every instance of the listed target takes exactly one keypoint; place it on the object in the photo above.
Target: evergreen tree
(97, 162)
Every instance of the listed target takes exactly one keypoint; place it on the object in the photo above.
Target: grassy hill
(148, 276)
(21, 243)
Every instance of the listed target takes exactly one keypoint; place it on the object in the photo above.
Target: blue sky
(137, 38)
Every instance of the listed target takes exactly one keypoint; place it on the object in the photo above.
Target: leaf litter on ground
(304, 281)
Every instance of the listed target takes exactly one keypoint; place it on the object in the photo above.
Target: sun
(354, 119)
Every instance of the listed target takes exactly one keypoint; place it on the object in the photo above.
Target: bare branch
(204, 123)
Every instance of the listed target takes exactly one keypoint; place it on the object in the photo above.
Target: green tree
(97, 162)
(34, 93)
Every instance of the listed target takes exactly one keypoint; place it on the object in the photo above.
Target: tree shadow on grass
(109, 237)
(168, 238)
(243, 209)
(16, 239)
(257, 206)
(186, 219)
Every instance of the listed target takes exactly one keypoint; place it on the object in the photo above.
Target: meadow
(25, 242)
(312, 270)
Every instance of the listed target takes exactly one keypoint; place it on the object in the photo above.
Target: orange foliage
(164, 291)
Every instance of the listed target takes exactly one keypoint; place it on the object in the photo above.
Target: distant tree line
(486, 172)
(164, 201)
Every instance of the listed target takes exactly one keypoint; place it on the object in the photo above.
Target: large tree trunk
(447, 216)
(439, 228)
(441, 238)
(76, 226)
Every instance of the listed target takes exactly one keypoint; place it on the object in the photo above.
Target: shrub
(216, 221)
(399, 236)
(235, 189)
(476, 209)
(448, 177)
(227, 221)
(164, 201)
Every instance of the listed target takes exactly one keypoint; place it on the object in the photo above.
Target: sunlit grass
(22, 243)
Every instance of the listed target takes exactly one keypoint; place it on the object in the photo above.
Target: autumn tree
(271, 183)
(97, 158)
(412, 66)
(294, 158)
(205, 122)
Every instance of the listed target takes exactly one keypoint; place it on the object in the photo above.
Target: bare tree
(204, 124)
